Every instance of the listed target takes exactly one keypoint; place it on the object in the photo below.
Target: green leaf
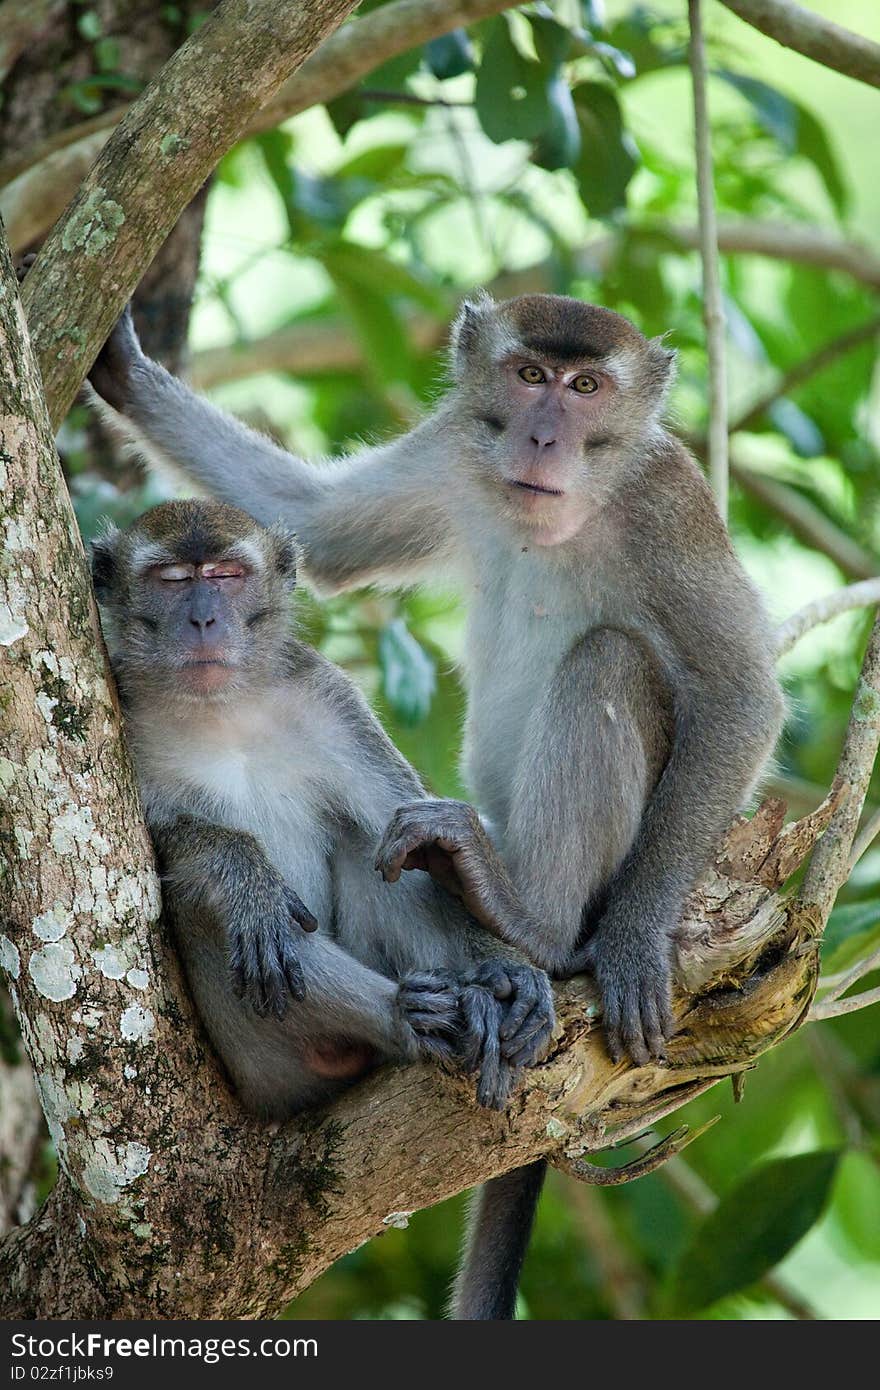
(847, 921)
(89, 26)
(608, 157)
(450, 55)
(409, 676)
(552, 40)
(511, 93)
(797, 130)
(752, 1229)
(276, 147)
(345, 111)
(376, 272)
(559, 145)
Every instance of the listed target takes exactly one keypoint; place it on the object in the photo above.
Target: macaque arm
(378, 516)
(225, 872)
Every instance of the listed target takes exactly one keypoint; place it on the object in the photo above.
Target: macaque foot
(265, 969)
(636, 989)
(430, 1004)
(23, 266)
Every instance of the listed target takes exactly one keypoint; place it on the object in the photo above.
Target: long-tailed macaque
(266, 782)
(619, 668)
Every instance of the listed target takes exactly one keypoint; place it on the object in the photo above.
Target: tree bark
(151, 168)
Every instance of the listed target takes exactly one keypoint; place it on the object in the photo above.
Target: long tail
(500, 1224)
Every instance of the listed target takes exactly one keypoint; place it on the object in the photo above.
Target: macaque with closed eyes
(619, 666)
(266, 782)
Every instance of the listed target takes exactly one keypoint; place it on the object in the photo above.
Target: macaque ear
(105, 569)
(288, 554)
(661, 362)
(467, 330)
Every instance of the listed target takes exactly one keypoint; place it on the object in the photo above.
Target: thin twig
(829, 866)
(651, 1159)
(713, 308)
(845, 979)
(822, 610)
(408, 99)
(865, 839)
(802, 371)
(833, 1008)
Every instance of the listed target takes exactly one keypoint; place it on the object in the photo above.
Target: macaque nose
(202, 622)
(543, 439)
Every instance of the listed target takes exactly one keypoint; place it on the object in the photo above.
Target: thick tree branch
(713, 307)
(40, 187)
(813, 35)
(150, 169)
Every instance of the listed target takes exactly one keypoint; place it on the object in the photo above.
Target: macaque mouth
(536, 487)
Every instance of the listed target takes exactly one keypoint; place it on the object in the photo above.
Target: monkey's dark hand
(429, 1002)
(447, 840)
(634, 976)
(262, 956)
(509, 1017)
(121, 355)
(23, 266)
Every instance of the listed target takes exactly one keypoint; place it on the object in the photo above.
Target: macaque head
(195, 598)
(558, 396)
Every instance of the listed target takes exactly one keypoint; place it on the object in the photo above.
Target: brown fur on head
(560, 394)
(195, 594)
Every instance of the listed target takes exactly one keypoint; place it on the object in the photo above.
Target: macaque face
(196, 607)
(555, 411)
(560, 393)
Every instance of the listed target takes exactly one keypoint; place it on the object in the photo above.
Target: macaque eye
(585, 384)
(222, 571)
(532, 376)
(173, 574)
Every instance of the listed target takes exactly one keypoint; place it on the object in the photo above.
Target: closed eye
(174, 574)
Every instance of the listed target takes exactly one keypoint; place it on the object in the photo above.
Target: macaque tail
(501, 1219)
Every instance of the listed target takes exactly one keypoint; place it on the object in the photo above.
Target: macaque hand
(445, 839)
(265, 968)
(112, 369)
(430, 1005)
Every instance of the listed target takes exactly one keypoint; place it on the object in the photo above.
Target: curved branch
(822, 610)
(713, 307)
(829, 865)
(814, 36)
(22, 21)
(151, 168)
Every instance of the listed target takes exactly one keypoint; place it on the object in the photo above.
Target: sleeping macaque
(266, 782)
(619, 667)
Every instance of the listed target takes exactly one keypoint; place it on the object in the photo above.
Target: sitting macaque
(266, 783)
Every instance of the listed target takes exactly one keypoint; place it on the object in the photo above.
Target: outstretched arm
(376, 517)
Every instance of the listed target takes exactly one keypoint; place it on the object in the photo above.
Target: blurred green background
(552, 148)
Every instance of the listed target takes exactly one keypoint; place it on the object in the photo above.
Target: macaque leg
(594, 750)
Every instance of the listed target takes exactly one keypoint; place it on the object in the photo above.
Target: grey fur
(265, 799)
